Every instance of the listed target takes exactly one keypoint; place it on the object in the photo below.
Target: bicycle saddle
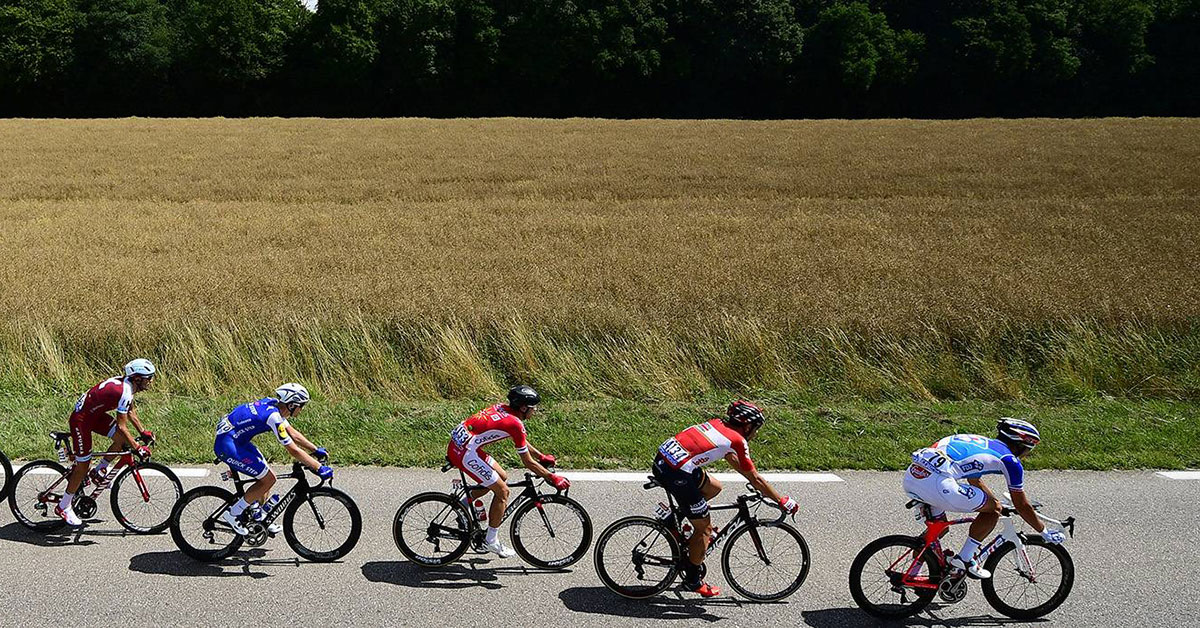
(60, 435)
(653, 483)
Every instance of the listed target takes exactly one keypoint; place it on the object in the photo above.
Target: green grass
(1101, 434)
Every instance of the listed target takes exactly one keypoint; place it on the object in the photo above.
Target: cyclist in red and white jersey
(92, 415)
(679, 467)
(485, 427)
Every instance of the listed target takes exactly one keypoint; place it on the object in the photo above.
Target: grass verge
(1102, 434)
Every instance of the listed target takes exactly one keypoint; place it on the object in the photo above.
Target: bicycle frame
(62, 444)
(743, 518)
(528, 493)
(935, 529)
(299, 489)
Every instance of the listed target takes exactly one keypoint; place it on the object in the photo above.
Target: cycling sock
(492, 533)
(238, 508)
(968, 549)
(65, 502)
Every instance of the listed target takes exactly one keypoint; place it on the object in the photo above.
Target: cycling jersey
(488, 426)
(967, 456)
(236, 429)
(91, 414)
(703, 444)
(481, 429)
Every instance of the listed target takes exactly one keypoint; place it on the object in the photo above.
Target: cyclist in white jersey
(947, 476)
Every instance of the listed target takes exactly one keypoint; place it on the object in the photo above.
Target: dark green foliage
(619, 58)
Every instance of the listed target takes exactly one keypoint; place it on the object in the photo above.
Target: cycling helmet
(1018, 434)
(744, 414)
(522, 397)
(292, 394)
(140, 367)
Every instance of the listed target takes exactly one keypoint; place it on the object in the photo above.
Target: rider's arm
(1025, 509)
(123, 426)
(753, 477)
(133, 416)
(298, 446)
(533, 465)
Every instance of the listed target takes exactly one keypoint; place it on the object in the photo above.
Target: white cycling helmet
(140, 367)
(292, 394)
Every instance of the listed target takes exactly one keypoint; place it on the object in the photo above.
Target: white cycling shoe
(69, 516)
(498, 548)
(233, 522)
(972, 568)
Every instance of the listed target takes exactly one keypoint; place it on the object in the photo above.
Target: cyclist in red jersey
(679, 467)
(92, 415)
(487, 426)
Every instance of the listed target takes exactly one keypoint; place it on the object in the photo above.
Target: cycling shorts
(476, 464)
(243, 458)
(684, 486)
(83, 426)
(943, 492)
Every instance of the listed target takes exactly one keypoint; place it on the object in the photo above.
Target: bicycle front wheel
(36, 489)
(765, 561)
(1030, 582)
(323, 526)
(894, 577)
(551, 532)
(432, 529)
(144, 496)
(197, 528)
(637, 557)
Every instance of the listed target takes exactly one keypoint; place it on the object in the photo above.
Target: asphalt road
(1136, 552)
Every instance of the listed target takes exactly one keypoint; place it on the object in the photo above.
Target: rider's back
(251, 419)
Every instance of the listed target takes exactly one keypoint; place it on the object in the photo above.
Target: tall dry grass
(642, 259)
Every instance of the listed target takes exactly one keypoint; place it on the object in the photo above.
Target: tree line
(615, 58)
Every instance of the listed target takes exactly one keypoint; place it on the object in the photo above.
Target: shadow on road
(601, 601)
(241, 565)
(452, 576)
(54, 538)
(854, 616)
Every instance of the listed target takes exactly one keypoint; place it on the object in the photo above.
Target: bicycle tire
(15, 497)
(922, 597)
(6, 474)
(316, 556)
(540, 505)
(201, 554)
(653, 527)
(744, 533)
(145, 527)
(1055, 600)
(462, 520)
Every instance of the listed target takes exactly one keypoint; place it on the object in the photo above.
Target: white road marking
(1180, 475)
(605, 476)
(183, 473)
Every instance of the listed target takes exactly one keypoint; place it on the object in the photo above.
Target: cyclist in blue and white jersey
(947, 476)
(234, 447)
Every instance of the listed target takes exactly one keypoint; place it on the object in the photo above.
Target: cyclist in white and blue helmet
(233, 446)
(947, 475)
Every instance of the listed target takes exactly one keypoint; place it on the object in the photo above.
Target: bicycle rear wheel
(323, 526)
(1031, 583)
(877, 572)
(768, 568)
(36, 489)
(637, 557)
(6, 474)
(196, 526)
(432, 529)
(144, 496)
(551, 532)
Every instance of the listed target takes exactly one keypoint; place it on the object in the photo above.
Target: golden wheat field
(824, 222)
(780, 244)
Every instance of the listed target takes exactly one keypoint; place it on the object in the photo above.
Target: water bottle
(62, 451)
(687, 529)
(480, 511)
(271, 503)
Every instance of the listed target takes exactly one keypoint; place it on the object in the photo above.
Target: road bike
(897, 576)
(142, 493)
(320, 523)
(548, 531)
(5, 475)
(763, 559)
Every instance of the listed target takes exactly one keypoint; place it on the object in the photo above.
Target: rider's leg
(499, 502)
(119, 443)
(985, 521)
(255, 493)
